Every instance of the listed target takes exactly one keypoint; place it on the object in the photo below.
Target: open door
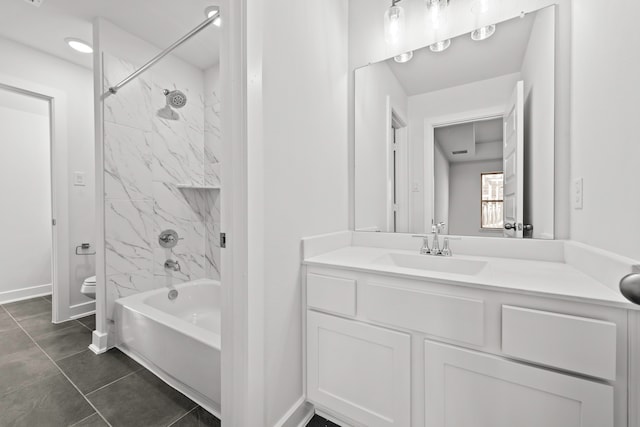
(513, 157)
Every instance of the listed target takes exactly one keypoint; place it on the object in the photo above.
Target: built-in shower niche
(160, 173)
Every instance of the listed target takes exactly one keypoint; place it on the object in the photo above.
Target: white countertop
(541, 278)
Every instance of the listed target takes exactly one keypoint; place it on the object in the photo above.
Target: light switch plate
(577, 193)
(79, 179)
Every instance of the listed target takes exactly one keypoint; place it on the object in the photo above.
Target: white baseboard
(25, 293)
(99, 342)
(83, 309)
(298, 415)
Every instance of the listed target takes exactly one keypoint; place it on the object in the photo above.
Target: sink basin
(432, 263)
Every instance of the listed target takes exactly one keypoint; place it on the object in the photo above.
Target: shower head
(175, 98)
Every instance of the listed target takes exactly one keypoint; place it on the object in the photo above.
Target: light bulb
(436, 10)
(79, 45)
(394, 24)
(483, 33)
(440, 46)
(403, 57)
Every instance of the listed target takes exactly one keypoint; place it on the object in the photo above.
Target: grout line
(76, 320)
(71, 355)
(84, 419)
(113, 382)
(62, 372)
(187, 413)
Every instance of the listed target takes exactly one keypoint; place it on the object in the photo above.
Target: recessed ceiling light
(403, 57)
(212, 11)
(440, 46)
(483, 33)
(79, 45)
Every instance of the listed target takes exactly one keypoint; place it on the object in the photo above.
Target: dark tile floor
(318, 421)
(49, 378)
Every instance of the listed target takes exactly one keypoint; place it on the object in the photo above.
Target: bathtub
(178, 340)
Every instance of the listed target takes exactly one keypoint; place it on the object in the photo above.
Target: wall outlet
(36, 3)
(577, 193)
(415, 187)
(79, 179)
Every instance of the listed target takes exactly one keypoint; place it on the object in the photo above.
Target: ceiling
(481, 140)
(466, 61)
(160, 22)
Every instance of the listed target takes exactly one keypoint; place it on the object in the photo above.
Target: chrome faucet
(435, 231)
(172, 265)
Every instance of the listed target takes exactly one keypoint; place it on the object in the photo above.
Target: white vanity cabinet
(472, 389)
(392, 351)
(360, 371)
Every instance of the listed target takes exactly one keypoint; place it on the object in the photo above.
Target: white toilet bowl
(89, 287)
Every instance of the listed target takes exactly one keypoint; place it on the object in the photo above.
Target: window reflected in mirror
(491, 216)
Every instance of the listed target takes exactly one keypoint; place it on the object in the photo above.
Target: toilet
(89, 287)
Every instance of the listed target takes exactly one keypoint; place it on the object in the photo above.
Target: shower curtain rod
(114, 89)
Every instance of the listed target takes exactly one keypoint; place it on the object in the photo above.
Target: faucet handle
(424, 250)
(446, 251)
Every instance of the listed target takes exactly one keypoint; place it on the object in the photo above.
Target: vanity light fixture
(483, 33)
(437, 15)
(212, 11)
(403, 57)
(79, 45)
(437, 12)
(440, 46)
(394, 23)
(479, 8)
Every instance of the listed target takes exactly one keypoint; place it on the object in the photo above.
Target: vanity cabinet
(391, 351)
(468, 388)
(360, 371)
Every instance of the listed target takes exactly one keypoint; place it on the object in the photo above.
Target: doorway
(25, 176)
(33, 179)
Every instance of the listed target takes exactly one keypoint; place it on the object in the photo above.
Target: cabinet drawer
(578, 344)
(332, 294)
(445, 316)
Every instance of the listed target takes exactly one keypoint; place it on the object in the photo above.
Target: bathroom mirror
(463, 137)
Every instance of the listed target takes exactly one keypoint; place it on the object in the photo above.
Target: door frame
(394, 116)
(430, 125)
(60, 251)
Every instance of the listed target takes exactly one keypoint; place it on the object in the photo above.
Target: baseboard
(298, 415)
(83, 309)
(25, 293)
(99, 342)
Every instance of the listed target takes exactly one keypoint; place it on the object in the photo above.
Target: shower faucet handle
(168, 239)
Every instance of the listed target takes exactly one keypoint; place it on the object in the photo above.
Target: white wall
(482, 95)
(465, 196)
(605, 148)
(297, 173)
(377, 89)
(441, 168)
(539, 91)
(25, 184)
(76, 82)
(367, 45)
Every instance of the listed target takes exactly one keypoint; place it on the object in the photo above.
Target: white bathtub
(178, 340)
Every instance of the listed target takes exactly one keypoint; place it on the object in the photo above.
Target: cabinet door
(359, 371)
(464, 388)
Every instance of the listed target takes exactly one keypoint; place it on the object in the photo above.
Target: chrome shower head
(175, 98)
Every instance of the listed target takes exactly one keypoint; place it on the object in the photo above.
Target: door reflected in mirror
(464, 136)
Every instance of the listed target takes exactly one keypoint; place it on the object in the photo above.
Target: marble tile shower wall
(145, 158)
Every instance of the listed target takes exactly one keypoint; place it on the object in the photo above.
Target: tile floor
(318, 421)
(49, 378)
